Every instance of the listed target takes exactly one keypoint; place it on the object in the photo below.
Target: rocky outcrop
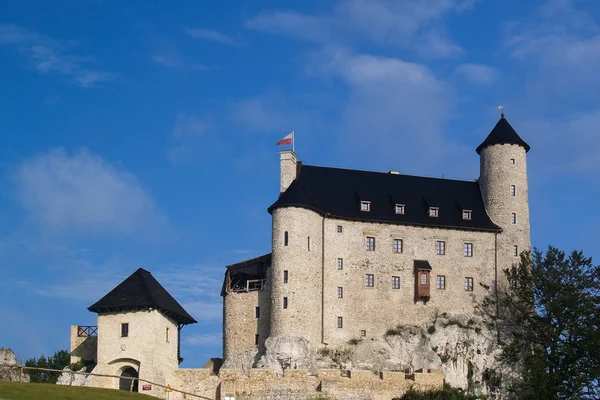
(68, 378)
(287, 352)
(8, 373)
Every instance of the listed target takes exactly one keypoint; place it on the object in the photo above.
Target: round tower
(503, 183)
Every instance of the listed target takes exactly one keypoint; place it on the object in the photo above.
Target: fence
(72, 373)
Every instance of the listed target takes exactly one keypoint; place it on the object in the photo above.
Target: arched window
(285, 238)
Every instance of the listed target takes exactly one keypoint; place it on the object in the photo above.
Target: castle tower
(297, 261)
(503, 183)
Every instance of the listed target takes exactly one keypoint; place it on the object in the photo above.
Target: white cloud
(210, 34)
(291, 23)
(50, 57)
(176, 63)
(477, 73)
(85, 194)
(204, 311)
(205, 340)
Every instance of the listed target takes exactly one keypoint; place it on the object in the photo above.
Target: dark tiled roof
(422, 265)
(338, 192)
(141, 290)
(503, 133)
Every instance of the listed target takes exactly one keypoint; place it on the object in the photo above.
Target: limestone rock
(287, 352)
(7, 356)
(243, 361)
(78, 379)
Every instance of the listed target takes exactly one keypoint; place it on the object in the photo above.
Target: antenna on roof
(501, 108)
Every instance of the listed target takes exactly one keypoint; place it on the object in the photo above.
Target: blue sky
(139, 134)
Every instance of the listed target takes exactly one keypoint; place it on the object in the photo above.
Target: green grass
(43, 391)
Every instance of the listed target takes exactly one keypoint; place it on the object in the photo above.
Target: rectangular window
(365, 206)
(339, 229)
(340, 322)
(340, 292)
(167, 335)
(516, 250)
(308, 243)
(440, 247)
(514, 218)
(363, 333)
(340, 263)
(397, 245)
(124, 330)
(399, 208)
(512, 161)
(434, 212)
(513, 190)
(370, 280)
(285, 302)
(285, 276)
(257, 312)
(256, 339)
(395, 282)
(467, 214)
(468, 249)
(441, 282)
(370, 243)
(423, 279)
(469, 284)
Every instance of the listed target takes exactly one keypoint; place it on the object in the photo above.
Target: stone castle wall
(82, 348)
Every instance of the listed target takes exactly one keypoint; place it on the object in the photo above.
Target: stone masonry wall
(83, 348)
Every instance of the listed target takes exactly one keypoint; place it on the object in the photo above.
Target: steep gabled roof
(141, 290)
(338, 192)
(502, 133)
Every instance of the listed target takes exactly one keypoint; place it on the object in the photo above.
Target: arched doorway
(125, 384)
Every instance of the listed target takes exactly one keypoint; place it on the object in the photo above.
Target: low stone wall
(199, 381)
(262, 384)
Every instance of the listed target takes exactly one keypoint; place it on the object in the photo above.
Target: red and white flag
(289, 139)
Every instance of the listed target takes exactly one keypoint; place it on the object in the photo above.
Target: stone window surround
(399, 208)
(440, 247)
(124, 329)
(467, 215)
(434, 212)
(370, 243)
(398, 245)
(468, 249)
(365, 206)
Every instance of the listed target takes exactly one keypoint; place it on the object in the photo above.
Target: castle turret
(503, 183)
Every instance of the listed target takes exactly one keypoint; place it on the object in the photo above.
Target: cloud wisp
(84, 194)
(50, 57)
(211, 35)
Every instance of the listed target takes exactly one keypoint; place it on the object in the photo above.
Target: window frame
(124, 329)
(339, 229)
(340, 292)
(469, 283)
(285, 276)
(286, 238)
(363, 333)
(340, 322)
(440, 247)
(513, 190)
(516, 250)
(440, 282)
(257, 312)
(434, 212)
(370, 243)
(468, 249)
(398, 249)
(395, 282)
(514, 218)
(467, 215)
(370, 280)
(340, 264)
(285, 303)
(365, 206)
(399, 209)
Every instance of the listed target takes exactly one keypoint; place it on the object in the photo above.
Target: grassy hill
(41, 391)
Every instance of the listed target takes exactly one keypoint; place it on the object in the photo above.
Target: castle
(354, 254)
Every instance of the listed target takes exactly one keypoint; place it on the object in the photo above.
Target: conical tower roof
(502, 133)
(140, 291)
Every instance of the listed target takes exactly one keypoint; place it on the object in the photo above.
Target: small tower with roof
(139, 328)
(503, 184)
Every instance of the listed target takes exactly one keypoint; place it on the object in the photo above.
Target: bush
(447, 393)
(431, 330)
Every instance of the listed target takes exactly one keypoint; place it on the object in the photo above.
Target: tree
(59, 361)
(548, 325)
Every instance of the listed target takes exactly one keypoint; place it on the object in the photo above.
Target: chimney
(288, 161)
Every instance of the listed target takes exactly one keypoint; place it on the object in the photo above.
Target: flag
(289, 139)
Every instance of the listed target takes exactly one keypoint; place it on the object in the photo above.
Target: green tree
(447, 393)
(58, 361)
(548, 325)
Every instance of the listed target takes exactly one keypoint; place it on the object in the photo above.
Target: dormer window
(434, 212)
(399, 209)
(365, 206)
(467, 214)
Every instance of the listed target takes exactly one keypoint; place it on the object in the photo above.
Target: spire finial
(501, 108)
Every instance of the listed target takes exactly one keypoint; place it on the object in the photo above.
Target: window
(285, 276)
(514, 218)
(370, 243)
(516, 250)
(285, 238)
(469, 284)
(434, 211)
(441, 282)
(124, 330)
(363, 333)
(257, 312)
(467, 214)
(395, 282)
(468, 249)
(340, 292)
(340, 322)
(340, 263)
(339, 229)
(370, 280)
(440, 247)
(256, 339)
(512, 161)
(285, 302)
(399, 208)
(308, 243)
(513, 190)
(365, 206)
(397, 245)
(423, 279)
(167, 335)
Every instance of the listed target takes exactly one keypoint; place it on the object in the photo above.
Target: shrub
(447, 393)
(431, 330)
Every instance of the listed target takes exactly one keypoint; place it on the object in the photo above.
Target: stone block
(295, 373)
(362, 375)
(261, 373)
(392, 376)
